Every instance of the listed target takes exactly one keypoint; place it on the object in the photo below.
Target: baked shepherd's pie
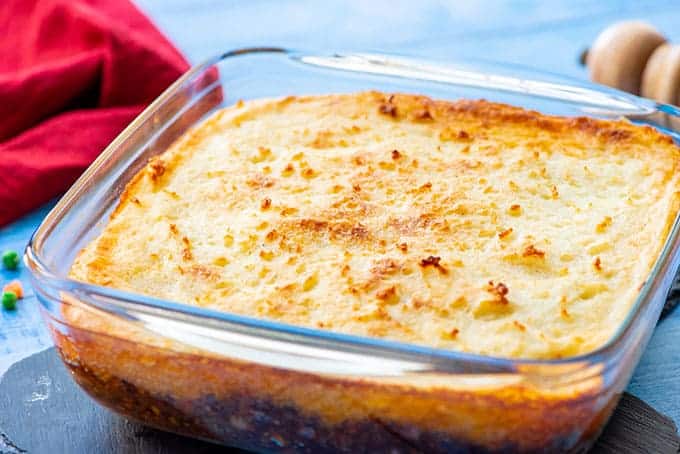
(467, 226)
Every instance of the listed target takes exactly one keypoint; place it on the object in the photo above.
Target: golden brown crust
(270, 206)
(490, 114)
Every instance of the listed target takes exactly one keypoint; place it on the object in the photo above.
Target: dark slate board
(43, 411)
(673, 297)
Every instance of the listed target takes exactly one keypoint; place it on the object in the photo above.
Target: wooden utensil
(635, 57)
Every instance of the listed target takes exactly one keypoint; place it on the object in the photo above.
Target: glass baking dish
(267, 386)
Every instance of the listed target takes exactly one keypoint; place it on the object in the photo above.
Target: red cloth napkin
(73, 74)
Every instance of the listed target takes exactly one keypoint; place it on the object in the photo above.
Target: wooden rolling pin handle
(618, 56)
(633, 56)
(661, 76)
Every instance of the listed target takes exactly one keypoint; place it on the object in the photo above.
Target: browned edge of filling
(254, 421)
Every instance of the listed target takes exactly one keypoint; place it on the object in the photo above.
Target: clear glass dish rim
(42, 274)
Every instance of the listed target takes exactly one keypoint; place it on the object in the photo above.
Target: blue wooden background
(547, 35)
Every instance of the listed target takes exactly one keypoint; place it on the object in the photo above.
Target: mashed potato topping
(468, 225)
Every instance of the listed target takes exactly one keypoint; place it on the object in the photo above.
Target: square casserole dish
(268, 386)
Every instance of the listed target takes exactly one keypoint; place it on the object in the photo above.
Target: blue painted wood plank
(657, 377)
(22, 331)
(546, 34)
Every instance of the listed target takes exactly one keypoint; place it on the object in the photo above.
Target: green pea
(9, 301)
(10, 259)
